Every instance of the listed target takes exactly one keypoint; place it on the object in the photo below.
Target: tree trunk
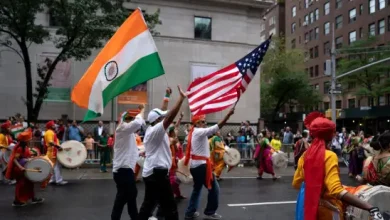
(29, 88)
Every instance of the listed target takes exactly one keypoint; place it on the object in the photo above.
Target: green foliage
(371, 82)
(284, 80)
(80, 27)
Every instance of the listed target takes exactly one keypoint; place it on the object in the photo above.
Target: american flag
(219, 90)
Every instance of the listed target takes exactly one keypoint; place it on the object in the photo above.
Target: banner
(136, 95)
(61, 79)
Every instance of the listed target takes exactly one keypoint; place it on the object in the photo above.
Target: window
(202, 28)
(311, 17)
(293, 44)
(351, 103)
(294, 11)
(326, 48)
(361, 33)
(371, 29)
(311, 71)
(317, 14)
(326, 104)
(326, 88)
(262, 27)
(307, 19)
(326, 8)
(352, 37)
(272, 21)
(371, 5)
(361, 9)
(312, 35)
(293, 27)
(326, 28)
(381, 26)
(311, 53)
(339, 42)
(307, 3)
(339, 3)
(316, 70)
(317, 33)
(339, 104)
(307, 36)
(316, 52)
(339, 21)
(317, 87)
(382, 4)
(382, 100)
(352, 15)
(53, 22)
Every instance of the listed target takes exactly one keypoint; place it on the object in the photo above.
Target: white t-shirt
(125, 146)
(157, 150)
(200, 143)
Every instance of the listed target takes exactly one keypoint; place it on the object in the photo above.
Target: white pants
(56, 177)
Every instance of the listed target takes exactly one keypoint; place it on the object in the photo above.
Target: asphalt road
(93, 199)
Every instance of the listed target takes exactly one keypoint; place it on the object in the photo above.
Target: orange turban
(50, 124)
(197, 118)
(6, 125)
(25, 136)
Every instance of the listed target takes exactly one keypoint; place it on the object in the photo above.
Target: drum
(7, 153)
(41, 164)
(183, 173)
(232, 157)
(74, 157)
(377, 196)
(141, 161)
(279, 160)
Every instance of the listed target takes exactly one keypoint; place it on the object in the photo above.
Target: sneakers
(152, 218)
(18, 204)
(193, 216)
(37, 200)
(213, 216)
(62, 183)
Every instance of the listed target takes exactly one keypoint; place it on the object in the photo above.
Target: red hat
(50, 124)
(6, 125)
(197, 118)
(25, 136)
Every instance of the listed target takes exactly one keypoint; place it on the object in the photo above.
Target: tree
(81, 26)
(371, 82)
(285, 80)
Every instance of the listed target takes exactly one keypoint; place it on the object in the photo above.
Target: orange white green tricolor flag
(129, 58)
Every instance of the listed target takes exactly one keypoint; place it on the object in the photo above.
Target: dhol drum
(183, 173)
(377, 196)
(73, 155)
(7, 153)
(141, 159)
(279, 160)
(232, 157)
(38, 169)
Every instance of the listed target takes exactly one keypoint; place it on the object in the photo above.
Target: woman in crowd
(263, 155)
(356, 157)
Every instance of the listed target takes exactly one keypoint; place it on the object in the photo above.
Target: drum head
(232, 157)
(184, 178)
(279, 160)
(41, 164)
(73, 158)
(141, 161)
(6, 155)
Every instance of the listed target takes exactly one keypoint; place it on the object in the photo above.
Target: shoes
(213, 216)
(62, 183)
(152, 218)
(259, 178)
(37, 200)
(18, 204)
(193, 216)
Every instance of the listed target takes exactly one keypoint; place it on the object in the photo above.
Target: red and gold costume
(50, 138)
(217, 152)
(5, 139)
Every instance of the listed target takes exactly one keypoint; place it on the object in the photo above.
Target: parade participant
(198, 150)
(137, 166)
(125, 159)
(158, 161)
(24, 190)
(173, 140)
(52, 143)
(264, 156)
(377, 170)
(318, 169)
(217, 151)
(300, 147)
(5, 141)
(356, 157)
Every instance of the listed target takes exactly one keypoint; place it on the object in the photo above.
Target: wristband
(166, 99)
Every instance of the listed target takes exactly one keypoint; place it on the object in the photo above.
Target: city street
(90, 195)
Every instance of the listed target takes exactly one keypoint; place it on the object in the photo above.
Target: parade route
(91, 199)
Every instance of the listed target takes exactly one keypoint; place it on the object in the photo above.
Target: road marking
(262, 203)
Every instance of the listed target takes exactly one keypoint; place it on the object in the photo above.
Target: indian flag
(129, 58)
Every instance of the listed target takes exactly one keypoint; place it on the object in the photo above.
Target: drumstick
(33, 170)
(182, 173)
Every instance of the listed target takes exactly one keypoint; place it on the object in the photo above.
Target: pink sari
(264, 154)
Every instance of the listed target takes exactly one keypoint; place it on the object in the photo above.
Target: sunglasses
(203, 122)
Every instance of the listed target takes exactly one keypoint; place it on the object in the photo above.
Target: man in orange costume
(5, 142)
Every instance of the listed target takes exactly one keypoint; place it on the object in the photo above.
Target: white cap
(155, 114)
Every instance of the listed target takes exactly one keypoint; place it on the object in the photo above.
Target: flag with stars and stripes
(223, 88)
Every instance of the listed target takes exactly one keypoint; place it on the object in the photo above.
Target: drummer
(137, 166)
(201, 169)
(5, 142)
(51, 142)
(217, 151)
(318, 169)
(24, 190)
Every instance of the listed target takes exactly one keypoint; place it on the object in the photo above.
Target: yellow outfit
(49, 138)
(3, 142)
(330, 203)
(218, 150)
(276, 144)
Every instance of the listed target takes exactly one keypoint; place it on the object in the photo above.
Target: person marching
(51, 143)
(5, 142)
(300, 147)
(198, 150)
(125, 158)
(318, 169)
(158, 162)
(263, 155)
(217, 149)
(24, 190)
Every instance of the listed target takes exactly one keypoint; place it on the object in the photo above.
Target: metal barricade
(246, 150)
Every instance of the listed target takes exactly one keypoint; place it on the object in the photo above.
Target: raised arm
(173, 112)
(168, 93)
(134, 125)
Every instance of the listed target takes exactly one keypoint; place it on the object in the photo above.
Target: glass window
(352, 36)
(316, 71)
(317, 13)
(339, 3)
(293, 44)
(381, 26)
(311, 17)
(361, 9)
(307, 3)
(317, 87)
(311, 53)
(307, 36)
(316, 53)
(294, 11)
(371, 5)
(352, 15)
(307, 19)
(339, 42)
(202, 28)
(326, 87)
(312, 35)
(326, 104)
(382, 4)
(272, 20)
(327, 48)
(338, 104)
(326, 28)
(293, 27)
(371, 29)
(339, 21)
(317, 32)
(351, 103)
(382, 101)
(326, 8)
(311, 71)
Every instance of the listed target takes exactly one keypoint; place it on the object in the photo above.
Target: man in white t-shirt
(125, 158)
(158, 161)
(201, 169)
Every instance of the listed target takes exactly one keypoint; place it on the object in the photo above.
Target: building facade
(273, 21)
(195, 38)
